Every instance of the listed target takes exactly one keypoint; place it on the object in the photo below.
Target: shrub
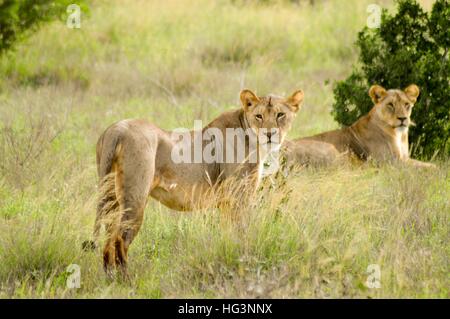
(411, 46)
(19, 17)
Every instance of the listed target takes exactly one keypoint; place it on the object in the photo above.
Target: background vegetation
(172, 62)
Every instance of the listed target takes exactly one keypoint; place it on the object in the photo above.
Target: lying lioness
(382, 134)
(145, 160)
(309, 153)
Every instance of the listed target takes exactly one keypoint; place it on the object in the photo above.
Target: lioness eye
(259, 117)
(391, 107)
(280, 115)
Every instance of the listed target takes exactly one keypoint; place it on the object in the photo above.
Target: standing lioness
(382, 134)
(143, 161)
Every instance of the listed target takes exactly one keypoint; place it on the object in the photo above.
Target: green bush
(19, 17)
(411, 46)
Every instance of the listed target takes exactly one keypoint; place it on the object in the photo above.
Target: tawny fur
(134, 163)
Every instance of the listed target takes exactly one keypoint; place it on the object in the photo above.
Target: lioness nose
(271, 135)
(402, 118)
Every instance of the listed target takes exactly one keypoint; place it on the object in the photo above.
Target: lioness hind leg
(114, 254)
(131, 222)
(134, 170)
(121, 236)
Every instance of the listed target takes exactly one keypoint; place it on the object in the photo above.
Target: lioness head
(394, 106)
(270, 117)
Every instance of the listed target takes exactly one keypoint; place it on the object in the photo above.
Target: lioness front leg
(420, 164)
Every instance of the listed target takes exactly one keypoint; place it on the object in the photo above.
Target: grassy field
(313, 235)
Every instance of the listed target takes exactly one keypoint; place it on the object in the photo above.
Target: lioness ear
(248, 99)
(295, 100)
(412, 92)
(377, 93)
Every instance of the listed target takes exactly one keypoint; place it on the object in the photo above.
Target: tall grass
(312, 234)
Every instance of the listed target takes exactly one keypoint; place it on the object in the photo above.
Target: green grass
(173, 62)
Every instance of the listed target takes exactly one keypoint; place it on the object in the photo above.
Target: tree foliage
(19, 17)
